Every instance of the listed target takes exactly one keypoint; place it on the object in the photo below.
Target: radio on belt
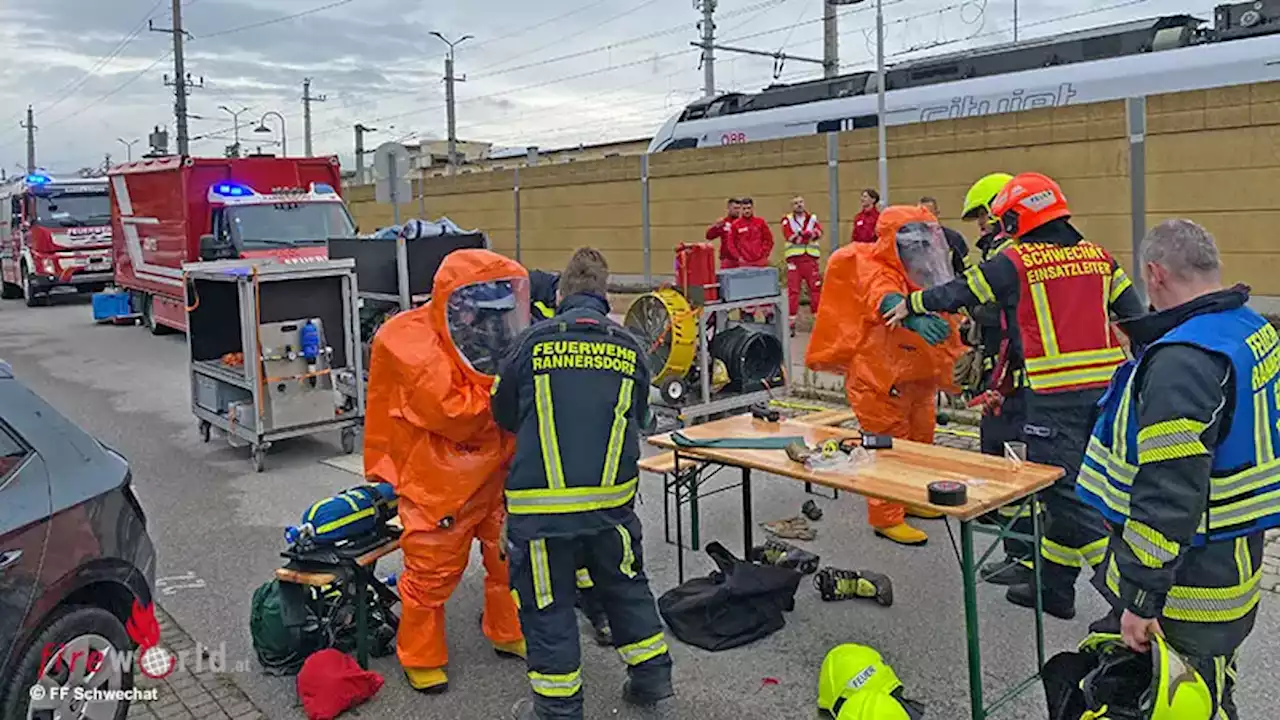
(947, 493)
(877, 442)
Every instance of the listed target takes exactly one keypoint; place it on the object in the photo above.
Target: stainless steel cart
(269, 345)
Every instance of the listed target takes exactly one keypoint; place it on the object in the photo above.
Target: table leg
(747, 542)
(969, 574)
(362, 621)
(695, 523)
(1036, 532)
(679, 526)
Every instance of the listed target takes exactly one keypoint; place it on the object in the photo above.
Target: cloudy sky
(551, 73)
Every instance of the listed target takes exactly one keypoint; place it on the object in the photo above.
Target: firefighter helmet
(1106, 679)
(1027, 202)
(856, 684)
(982, 193)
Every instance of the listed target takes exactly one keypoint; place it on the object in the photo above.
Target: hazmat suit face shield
(923, 249)
(485, 318)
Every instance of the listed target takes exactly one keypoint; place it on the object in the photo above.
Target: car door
(24, 525)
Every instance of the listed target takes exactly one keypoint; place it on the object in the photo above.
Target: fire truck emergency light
(322, 188)
(38, 179)
(231, 190)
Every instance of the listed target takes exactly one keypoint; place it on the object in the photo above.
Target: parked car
(74, 558)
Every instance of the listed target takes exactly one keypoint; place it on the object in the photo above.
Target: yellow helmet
(982, 193)
(855, 684)
(1163, 687)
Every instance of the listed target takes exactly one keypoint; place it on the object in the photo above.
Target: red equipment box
(696, 272)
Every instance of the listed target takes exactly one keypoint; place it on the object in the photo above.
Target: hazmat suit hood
(428, 428)
(910, 241)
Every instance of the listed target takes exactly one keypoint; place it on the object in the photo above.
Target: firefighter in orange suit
(1066, 290)
(802, 232)
(429, 432)
(894, 374)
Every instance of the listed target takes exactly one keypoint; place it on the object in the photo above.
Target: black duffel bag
(736, 605)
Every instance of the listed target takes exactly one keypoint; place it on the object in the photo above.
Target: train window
(684, 143)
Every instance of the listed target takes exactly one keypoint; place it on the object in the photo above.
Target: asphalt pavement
(217, 527)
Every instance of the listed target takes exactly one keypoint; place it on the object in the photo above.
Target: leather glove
(932, 328)
(891, 301)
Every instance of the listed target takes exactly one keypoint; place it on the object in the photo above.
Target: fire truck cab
(54, 233)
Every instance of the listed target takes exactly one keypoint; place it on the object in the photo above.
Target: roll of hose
(751, 356)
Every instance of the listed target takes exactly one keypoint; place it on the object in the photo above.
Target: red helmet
(1027, 202)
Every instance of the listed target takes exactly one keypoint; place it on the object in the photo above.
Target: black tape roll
(948, 494)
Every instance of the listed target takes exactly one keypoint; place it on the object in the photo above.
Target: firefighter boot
(523, 710)
(1009, 571)
(784, 555)
(834, 584)
(1108, 624)
(922, 513)
(1058, 603)
(648, 694)
(903, 534)
(427, 680)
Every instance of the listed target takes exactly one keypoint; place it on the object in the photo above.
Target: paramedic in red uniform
(723, 230)
(802, 232)
(753, 242)
(864, 223)
(1066, 289)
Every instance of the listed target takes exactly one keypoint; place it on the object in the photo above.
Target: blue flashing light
(232, 190)
(322, 188)
(38, 179)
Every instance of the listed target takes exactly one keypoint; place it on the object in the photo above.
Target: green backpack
(284, 627)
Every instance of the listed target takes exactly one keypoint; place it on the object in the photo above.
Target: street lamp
(235, 121)
(880, 114)
(128, 144)
(262, 128)
(449, 79)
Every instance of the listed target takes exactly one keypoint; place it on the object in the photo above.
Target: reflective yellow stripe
(542, 594)
(493, 389)
(978, 285)
(547, 431)
(344, 520)
(583, 579)
(543, 310)
(1264, 451)
(1213, 605)
(1171, 440)
(1049, 381)
(1059, 554)
(515, 597)
(1120, 429)
(613, 451)
(1044, 320)
(915, 302)
(1071, 360)
(1219, 686)
(556, 686)
(798, 250)
(1095, 552)
(627, 566)
(1151, 548)
(1119, 283)
(643, 650)
(1094, 482)
(570, 499)
(1244, 563)
(1243, 511)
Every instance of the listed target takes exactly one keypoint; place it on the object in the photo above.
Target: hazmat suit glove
(932, 328)
(891, 301)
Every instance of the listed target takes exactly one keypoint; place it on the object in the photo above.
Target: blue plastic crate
(111, 305)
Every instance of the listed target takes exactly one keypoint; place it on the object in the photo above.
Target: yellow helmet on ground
(855, 684)
(982, 193)
(1159, 685)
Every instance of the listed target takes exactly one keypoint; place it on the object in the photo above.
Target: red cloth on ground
(331, 682)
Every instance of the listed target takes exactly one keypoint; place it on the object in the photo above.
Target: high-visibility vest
(809, 224)
(1244, 495)
(1067, 339)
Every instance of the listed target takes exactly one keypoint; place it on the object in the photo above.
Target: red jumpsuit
(429, 432)
(864, 225)
(893, 376)
(723, 230)
(803, 233)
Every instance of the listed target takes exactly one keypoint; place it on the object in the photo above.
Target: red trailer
(174, 210)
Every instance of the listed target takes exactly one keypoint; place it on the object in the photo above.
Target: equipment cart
(274, 373)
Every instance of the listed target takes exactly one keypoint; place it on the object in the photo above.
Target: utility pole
(235, 122)
(830, 40)
(128, 144)
(307, 99)
(708, 27)
(360, 131)
(880, 113)
(1015, 20)
(449, 80)
(181, 79)
(30, 126)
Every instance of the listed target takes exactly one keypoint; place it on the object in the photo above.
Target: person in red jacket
(802, 232)
(864, 224)
(753, 242)
(722, 230)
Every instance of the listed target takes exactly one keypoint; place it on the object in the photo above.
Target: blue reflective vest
(1244, 494)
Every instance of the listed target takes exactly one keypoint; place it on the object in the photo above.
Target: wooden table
(902, 475)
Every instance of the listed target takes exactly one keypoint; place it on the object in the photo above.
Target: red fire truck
(54, 233)
(169, 211)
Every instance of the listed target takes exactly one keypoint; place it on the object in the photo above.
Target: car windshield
(263, 226)
(73, 210)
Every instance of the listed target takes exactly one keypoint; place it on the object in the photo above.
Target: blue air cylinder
(310, 341)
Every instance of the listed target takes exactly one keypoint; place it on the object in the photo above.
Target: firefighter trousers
(1057, 430)
(543, 583)
(803, 270)
(994, 431)
(1219, 674)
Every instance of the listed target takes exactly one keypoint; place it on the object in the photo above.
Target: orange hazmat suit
(892, 376)
(429, 432)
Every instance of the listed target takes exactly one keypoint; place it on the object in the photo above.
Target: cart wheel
(348, 440)
(673, 390)
(204, 430)
(259, 457)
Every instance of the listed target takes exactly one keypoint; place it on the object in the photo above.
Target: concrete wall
(1213, 156)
